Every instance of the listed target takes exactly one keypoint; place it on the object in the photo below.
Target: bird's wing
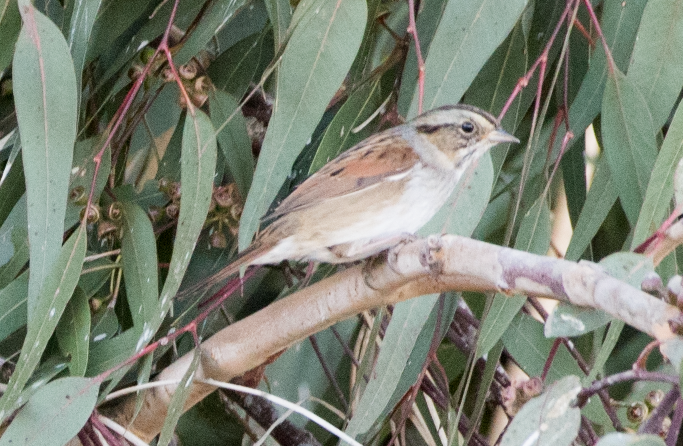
(378, 157)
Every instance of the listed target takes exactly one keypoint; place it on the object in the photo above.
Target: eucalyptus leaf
(47, 122)
(549, 419)
(60, 408)
(320, 51)
(467, 35)
(629, 137)
(51, 302)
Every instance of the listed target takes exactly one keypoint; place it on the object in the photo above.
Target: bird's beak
(501, 136)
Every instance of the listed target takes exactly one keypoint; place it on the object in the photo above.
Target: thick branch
(421, 267)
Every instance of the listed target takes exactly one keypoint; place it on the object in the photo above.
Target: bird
(374, 195)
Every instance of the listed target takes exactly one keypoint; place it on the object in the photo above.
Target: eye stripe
(431, 128)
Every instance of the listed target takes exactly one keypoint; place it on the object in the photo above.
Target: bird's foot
(430, 257)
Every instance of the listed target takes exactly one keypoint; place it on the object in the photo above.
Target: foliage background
(91, 114)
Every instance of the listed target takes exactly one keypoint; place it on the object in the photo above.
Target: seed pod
(105, 229)
(77, 195)
(93, 214)
(653, 398)
(172, 210)
(188, 71)
(114, 211)
(637, 412)
(218, 240)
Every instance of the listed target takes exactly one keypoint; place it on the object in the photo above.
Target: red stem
(412, 30)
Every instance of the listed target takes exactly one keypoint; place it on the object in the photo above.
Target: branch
(423, 266)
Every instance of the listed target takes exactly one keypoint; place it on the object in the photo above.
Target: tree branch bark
(424, 266)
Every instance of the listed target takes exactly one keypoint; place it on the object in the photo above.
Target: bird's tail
(245, 258)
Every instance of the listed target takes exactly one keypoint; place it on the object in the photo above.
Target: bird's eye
(467, 127)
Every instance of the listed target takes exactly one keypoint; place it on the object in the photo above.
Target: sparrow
(375, 194)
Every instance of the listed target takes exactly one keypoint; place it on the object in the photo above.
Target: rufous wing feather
(364, 165)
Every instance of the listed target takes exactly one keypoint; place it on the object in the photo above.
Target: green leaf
(51, 301)
(12, 187)
(628, 267)
(534, 237)
(175, 408)
(608, 345)
(657, 62)
(47, 122)
(235, 68)
(407, 321)
(287, 367)
(59, 408)
(82, 21)
(569, 320)
(139, 261)
(599, 200)
(534, 231)
(14, 250)
(525, 341)
(233, 138)
(13, 306)
(10, 25)
(467, 35)
(319, 53)
(73, 332)
(629, 138)
(620, 439)
(619, 25)
(214, 19)
(280, 14)
(660, 188)
(198, 163)
(341, 133)
(549, 419)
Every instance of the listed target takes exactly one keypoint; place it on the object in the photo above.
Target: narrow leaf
(198, 164)
(59, 409)
(175, 408)
(660, 188)
(82, 21)
(10, 25)
(629, 138)
(73, 332)
(401, 334)
(139, 261)
(47, 123)
(468, 33)
(657, 61)
(599, 200)
(214, 19)
(233, 139)
(317, 57)
(549, 419)
(52, 299)
(13, 306)
(280, 14)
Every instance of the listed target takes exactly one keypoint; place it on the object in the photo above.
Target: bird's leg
(392, 253)
(387, 256)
